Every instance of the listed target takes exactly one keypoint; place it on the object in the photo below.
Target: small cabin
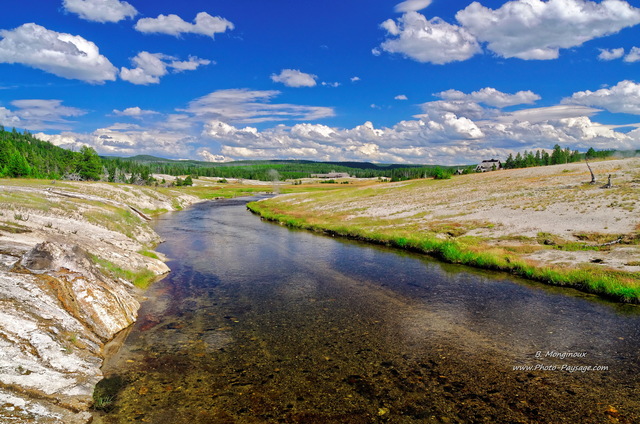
(489, 165)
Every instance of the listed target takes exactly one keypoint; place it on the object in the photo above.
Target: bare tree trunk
(593, 177)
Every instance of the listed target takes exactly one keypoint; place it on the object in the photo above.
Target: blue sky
(419, 81)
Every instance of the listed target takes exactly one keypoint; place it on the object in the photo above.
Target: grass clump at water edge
(149, 254)
(616, 285)
(139, 278)
(106, 391)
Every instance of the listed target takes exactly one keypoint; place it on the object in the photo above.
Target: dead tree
(593, 177)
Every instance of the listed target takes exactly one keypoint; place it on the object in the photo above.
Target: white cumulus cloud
(294, 78)
(204, 24)
(492, 97)
(466, 108)
(134, 112)
(150, 67)
(8, 118)
(624, 97)
(188, 65)
(210, 157)
(217, 127)
(401, 97)
(100, 10)
(450, 132)
(65, 55)
(457, 128)
(611, 54)
(126, 140)
(525, 29)
(535, 29)
(434, 40)
(633, 55)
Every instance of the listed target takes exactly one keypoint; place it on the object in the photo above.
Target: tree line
(556, 157)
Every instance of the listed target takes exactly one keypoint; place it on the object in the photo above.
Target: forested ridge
(24, 156)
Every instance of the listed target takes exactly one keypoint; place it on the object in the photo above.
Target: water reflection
(257, 323)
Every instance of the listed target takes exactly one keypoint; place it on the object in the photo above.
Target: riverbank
(546, 223)
(74, 257)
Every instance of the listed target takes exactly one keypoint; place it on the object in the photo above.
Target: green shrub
(441, 174)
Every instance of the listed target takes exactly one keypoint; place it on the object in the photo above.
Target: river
(260, 324)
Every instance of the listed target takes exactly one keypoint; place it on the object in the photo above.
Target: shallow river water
(261, 324)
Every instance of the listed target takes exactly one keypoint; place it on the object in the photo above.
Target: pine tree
(519, 162)
(546, 158)
(530, 160)
(558, 155)
(509, 163)
(17, 165)
(5, 152)
(89, 166)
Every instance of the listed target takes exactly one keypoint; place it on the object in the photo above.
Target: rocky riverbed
(64, 248)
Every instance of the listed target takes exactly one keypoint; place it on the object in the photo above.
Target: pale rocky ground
(57, 308)
(504, 205)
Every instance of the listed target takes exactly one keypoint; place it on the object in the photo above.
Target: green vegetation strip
(140, 278)
(617, 285)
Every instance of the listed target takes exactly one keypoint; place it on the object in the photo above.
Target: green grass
(149, 254)
(106, 392)
(139, 278)
(154, 212)
(13, 228)
(115, 219)
(618, 285)
(17, 199)
(103, 403)
(31, 182)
